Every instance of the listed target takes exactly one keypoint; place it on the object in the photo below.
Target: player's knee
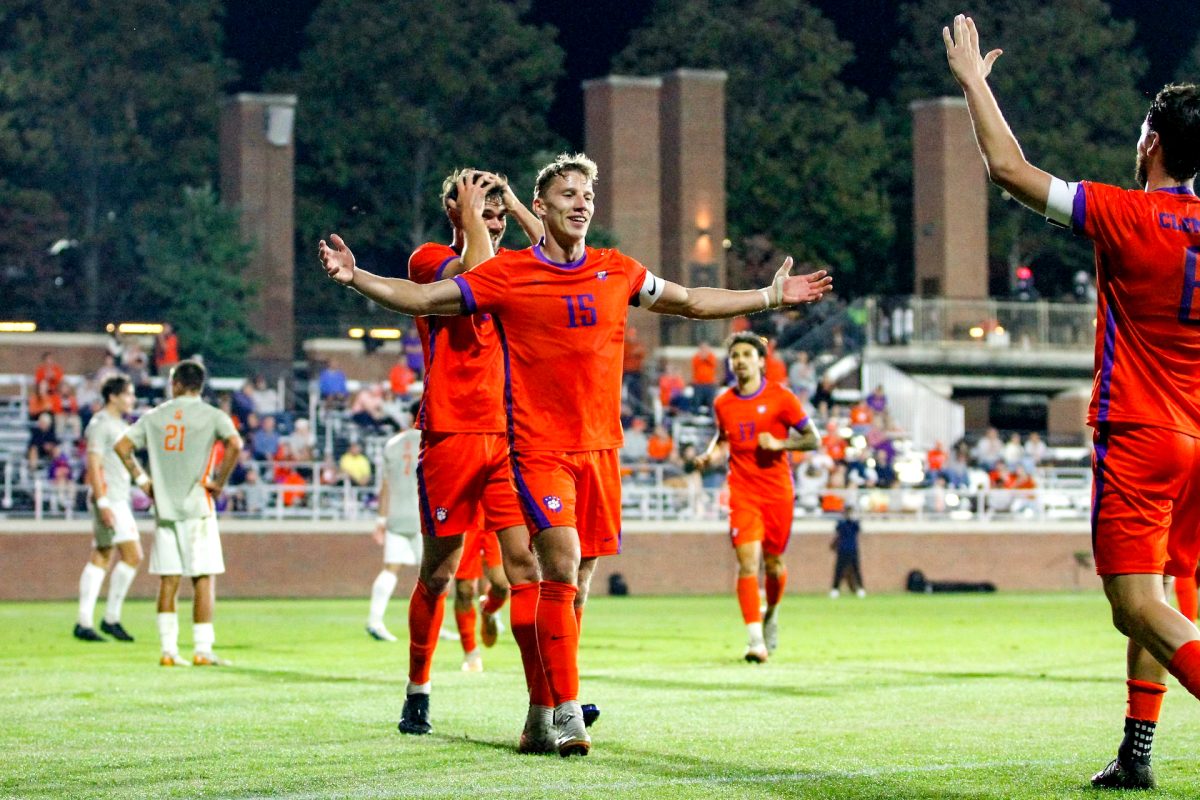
(561, 569)
(436, 584)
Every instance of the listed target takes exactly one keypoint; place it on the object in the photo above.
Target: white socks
(168, 632)
(118, 586)
(381, 592)
(754, 631)
(417, 688)
(89, 589)
(203, 637)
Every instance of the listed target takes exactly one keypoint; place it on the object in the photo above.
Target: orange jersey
(562, 330)
(755, 474)
(1148, 312)
(464, 371)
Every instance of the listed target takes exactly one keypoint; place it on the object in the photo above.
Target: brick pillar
(950, 189)
(621, 116)
(257, 177)
(693, 190)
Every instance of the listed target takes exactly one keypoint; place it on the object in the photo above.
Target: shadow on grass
(717, 687)
(277, 675)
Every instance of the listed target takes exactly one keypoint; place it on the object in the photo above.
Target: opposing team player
(1145, 406)
(559, 310)
(481, 557)
(113, 524)
(398, 527)
(757, 422)
(178, 437)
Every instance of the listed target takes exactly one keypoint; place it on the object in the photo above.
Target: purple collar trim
(541, 256)
(1176, 190)
(762, 385)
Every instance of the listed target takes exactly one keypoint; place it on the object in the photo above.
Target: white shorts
(124, 530)
(188, 547)
(402, 548)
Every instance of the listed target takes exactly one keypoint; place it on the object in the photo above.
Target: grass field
(1005, 696)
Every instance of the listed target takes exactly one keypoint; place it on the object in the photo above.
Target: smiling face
(566, 206)
(747, 363)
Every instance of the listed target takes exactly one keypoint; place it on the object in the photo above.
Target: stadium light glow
(356, 333)
(139, 327)
(976, 332)
(998, 330)
(18, 327)
(385, 333)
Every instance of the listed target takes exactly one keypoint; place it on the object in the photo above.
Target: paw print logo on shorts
(441, 514)
(553, 503)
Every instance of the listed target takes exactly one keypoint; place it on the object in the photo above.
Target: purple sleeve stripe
(468, 296)
(437, 276)
(802, 424)
(1079, 211)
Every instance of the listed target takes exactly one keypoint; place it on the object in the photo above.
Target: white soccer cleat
(756, 654)
(380, 633)
(490, 629)
(861, 593)
(834, 594)
(209, 660)
(771, 630)
(572, 738)
(539, 735)
(172, 660)
(473, 661)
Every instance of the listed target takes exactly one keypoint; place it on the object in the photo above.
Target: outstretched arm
(396, 294)
(1006, 164)
(707, 303)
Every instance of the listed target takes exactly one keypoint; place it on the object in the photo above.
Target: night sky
(262, 35)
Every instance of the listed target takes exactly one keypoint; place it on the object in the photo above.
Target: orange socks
(495, 601)
(558, 639)
(775, 586)
(522, 616)
(747, 594)
(1185, 666)
(425, 610)
(1185, 595)
(1145, 700)
(466, 628)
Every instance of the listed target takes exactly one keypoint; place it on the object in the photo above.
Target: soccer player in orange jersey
(480, 557)
(559, 309)
(757, 422)
(463, 474)
(1145, 406)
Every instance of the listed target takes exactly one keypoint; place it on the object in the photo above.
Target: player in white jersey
(112, 517)
(178, 437)
(398, 527)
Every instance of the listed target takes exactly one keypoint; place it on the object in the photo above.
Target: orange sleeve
(426, 263)
(486, 287)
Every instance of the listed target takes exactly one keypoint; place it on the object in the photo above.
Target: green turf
(1006, 696)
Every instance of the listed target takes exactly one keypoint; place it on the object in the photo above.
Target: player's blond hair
(450, 185)
(564, 163)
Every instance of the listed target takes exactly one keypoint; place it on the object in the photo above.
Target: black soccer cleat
(414, 718)
(1124, 776)
(590, 714)
(87, 634)
(116, 631)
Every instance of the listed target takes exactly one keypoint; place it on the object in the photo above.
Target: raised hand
(790, 290)
(337, 260)
(473, 190)
(962, 51)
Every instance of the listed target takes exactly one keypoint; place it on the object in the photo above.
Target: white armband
(652, 289)
(381, 520)
(102, 502)
(142, 480)
(1060, 202)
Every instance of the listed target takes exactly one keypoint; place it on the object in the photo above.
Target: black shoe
(590, 714)
(87, 634)
(116, 631)
(414, 718)
(1124, 776)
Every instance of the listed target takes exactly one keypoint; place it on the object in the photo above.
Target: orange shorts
(769, 523)
(1145, 501)
(463, 482)
(575, 490)
(480, 548)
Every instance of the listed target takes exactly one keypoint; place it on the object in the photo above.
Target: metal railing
(987, 323)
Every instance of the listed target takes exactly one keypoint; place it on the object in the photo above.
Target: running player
(757, 422)
(463, 475)
(178, 437)
(398, 527)
(481, 556)
(112, 516)
(559, 309)
(1145, 406)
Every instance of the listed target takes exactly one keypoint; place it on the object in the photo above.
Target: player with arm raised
(1145, 405)
(178, 437)
(757, 423)
(113, 524)
(559, 309)
(398, 527)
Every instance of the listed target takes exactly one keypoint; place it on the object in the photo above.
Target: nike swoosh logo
(556, 638)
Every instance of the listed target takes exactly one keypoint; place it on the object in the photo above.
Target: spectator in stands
(1013, 453)
(244, 466)
(69, 423)
(988, 450)
(42, 439)
(137, 368)
(356, 466)
(266, 399)
(704, 376)
(49, 372)
(633, 361)
(286, 475)
(43, 401)
(877, 400)
(332, 385)
(885, 471)
(1001, 477)
(367, 410)
(671, 387)
(59, 473)
(834, 502)
(400, 377)
(637, 445)
(776, 370)
(1035, 452)
(822, 398)
(265, 441)
(301, 441)
(254, 495)
(166, 349)
(115, 346)
(107, 370)
(414, 354)
(833, 444)
(225, 403)
(329, 474)
(801, 375)
(660, 447)
(958, 472)
(935, 463)
(244, 402)
(861, 418)
(395, 409)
